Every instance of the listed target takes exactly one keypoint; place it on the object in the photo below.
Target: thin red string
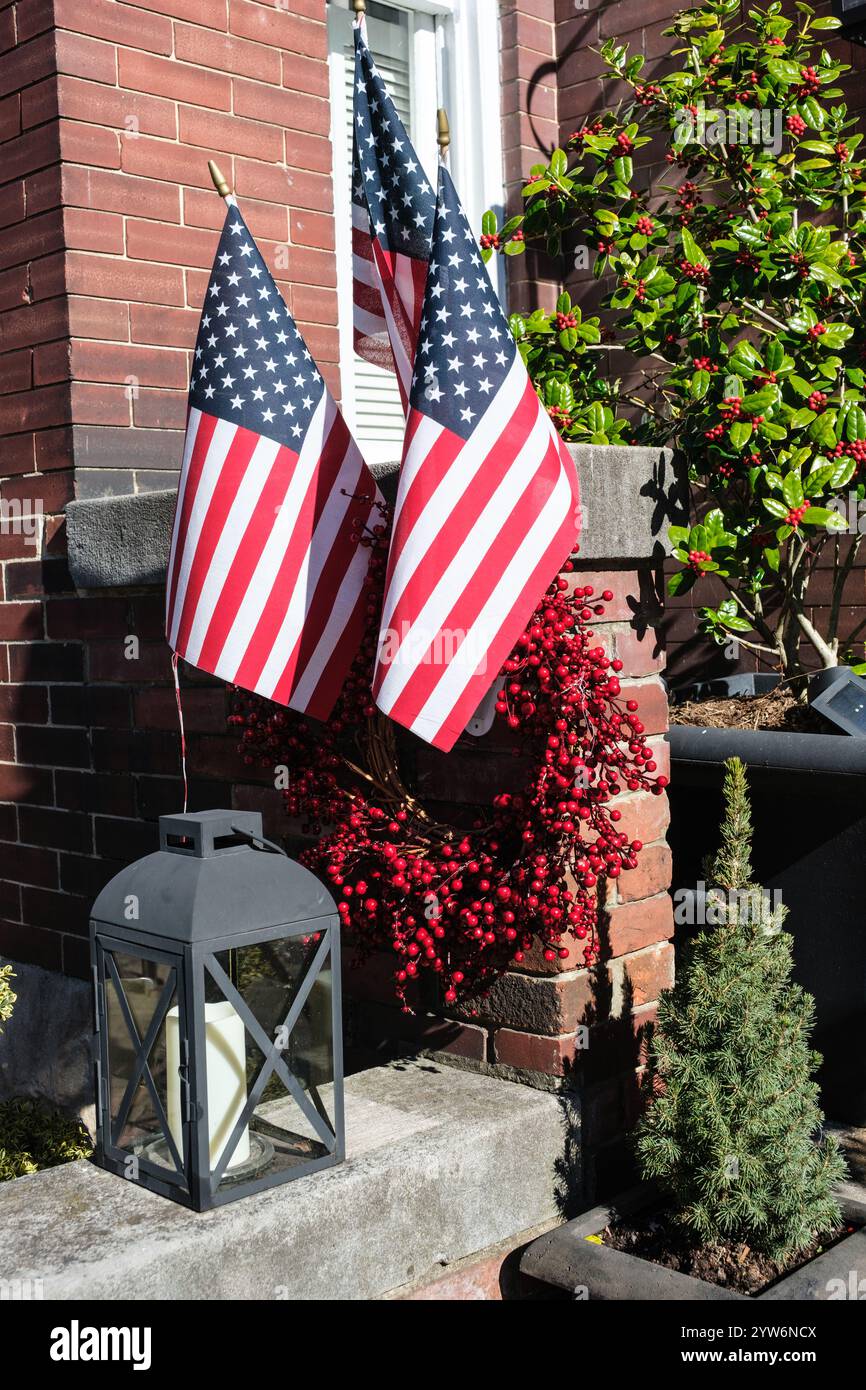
(174, 662)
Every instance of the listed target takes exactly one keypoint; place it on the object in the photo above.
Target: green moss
(34, 1136)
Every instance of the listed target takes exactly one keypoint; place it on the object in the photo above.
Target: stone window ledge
(629, 498)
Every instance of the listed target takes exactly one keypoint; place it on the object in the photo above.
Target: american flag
(266, 573)
(393, 206)
(488, 504)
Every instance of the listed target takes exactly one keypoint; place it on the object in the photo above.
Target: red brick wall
(90, 753)
(530, 128)
(108, 114)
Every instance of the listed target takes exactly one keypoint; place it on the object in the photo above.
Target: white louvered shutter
(373, 401)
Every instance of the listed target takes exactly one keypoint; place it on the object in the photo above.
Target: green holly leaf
(822, 429)
(692, 251)
(792, 490)
(681, 582)
(558, 164)
(800, 385)
(775, 507)
(836, 336)
(825, 516)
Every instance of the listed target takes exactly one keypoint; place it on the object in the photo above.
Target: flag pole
(443, 134)
(221, 185)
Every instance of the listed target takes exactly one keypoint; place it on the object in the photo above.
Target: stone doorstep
(443, 1163)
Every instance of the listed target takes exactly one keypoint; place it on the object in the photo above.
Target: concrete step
(441, 1163)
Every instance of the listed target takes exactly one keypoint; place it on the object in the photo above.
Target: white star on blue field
(465, 347)
(251, 366)
(387, 178)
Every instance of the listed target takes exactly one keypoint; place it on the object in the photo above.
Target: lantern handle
(259, 841)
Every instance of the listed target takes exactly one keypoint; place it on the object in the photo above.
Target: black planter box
(809, 811)
(568, 1258)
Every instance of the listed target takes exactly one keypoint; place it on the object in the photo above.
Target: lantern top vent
(214, 876)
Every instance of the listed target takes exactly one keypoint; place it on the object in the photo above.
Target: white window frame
(459, 59)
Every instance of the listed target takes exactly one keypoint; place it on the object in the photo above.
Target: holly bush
(734, 299)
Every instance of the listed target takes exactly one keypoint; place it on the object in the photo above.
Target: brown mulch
(735, 1267)
(779, 710)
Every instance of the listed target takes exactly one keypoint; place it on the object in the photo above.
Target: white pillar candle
(225, 1065)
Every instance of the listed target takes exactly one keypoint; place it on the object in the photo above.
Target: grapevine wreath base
(468, 903)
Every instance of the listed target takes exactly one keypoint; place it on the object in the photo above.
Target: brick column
(556, 1023)
(530, 131)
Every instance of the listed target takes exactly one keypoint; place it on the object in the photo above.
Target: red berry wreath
(467, 904)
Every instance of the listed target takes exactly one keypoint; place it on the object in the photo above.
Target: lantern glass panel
(141, 1018)
(269, 1109)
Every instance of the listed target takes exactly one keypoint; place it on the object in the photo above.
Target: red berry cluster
(646, 95)
(796, 514)
(697, 558)
(795, 125)
(645, 226)
(578, 136)
(565, 321)
(811, 82)
(490, 241)
(625, 143)
(688, 195)
(817, 402)
(465, 903)
(560, 417)
(704, 364)
(855, 449)
(692, 271)
(817, 331)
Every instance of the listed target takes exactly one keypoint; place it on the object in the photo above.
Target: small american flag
(393, 207)
(266, 574)
(488, 504)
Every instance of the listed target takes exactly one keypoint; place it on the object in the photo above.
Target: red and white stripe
(388, 292)
(481, 528)
(266, 576)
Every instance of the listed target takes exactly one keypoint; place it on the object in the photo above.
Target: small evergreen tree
(732, 1133)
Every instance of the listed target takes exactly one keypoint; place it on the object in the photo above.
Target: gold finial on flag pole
(443, 132)
(360, 7)
(220, 183)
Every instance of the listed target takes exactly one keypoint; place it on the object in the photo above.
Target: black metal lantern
(216, 966)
